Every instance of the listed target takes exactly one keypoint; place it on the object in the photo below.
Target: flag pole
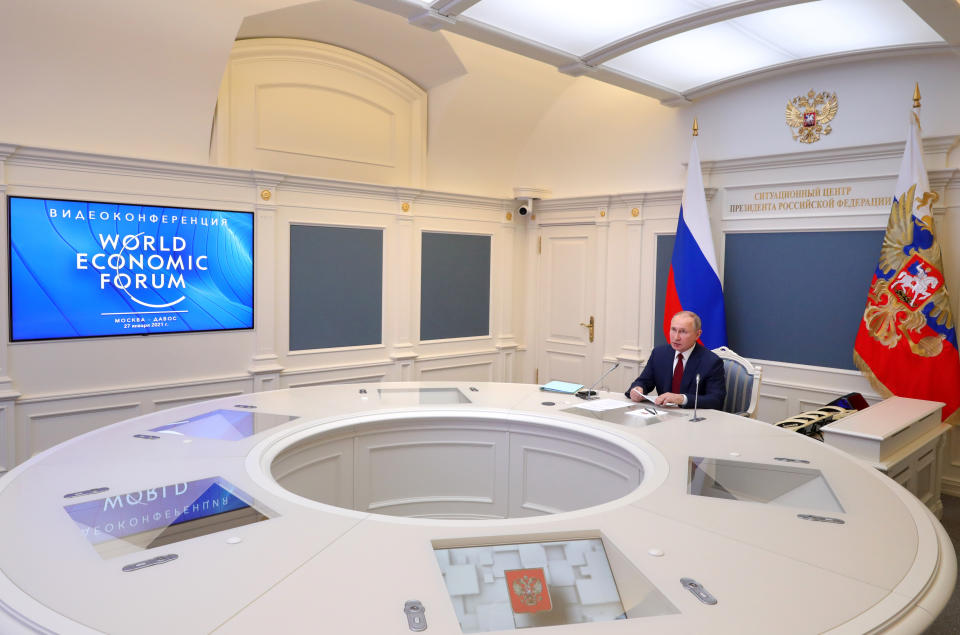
(916, 95)
(696, 128)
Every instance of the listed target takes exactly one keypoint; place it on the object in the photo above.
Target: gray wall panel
(454, 286)
(664, 252)
(798, 297)
(336, 286)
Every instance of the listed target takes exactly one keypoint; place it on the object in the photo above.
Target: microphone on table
(696, 398)
(590, 393)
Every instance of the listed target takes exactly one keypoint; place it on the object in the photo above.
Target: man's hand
(637, 394)
(669, 398)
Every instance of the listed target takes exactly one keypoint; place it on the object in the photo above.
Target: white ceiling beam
(943, 16)
(405, 8)
(681, 25)
(441, 14)
(451, 8)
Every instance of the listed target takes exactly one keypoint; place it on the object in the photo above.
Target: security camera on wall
(524, 198)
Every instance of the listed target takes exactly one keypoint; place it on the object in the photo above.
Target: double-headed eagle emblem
(810, 116)
(908, 292)
(528, 589)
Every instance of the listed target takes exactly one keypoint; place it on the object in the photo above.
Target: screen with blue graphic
(125, 523)
(224, 425)
(86, 269)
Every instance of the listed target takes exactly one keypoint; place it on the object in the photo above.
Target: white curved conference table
(335, 508)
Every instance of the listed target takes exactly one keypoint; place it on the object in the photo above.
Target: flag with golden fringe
(907, 344)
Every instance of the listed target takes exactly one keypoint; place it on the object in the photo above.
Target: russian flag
(906, 343)
(694, 280)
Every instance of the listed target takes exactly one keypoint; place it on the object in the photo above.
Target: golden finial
(696, 128)
(916, 95)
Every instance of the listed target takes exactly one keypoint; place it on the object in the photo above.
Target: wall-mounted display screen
(88, 269)
(123, 524)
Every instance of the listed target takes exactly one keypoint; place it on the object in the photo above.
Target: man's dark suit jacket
(658, 373)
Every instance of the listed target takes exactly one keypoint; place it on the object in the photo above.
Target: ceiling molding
(941, 15)
(452, 8)
(574, 204)
(682, 25)
(809, 63)
(432, 20)
(608, 75)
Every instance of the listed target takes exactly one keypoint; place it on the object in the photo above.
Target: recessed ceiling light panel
(697, 57)
(752, 42)
(580, 27)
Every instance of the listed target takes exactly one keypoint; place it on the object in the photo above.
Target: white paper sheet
(599, 405)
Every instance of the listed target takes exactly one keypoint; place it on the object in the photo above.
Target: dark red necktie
(677, 374)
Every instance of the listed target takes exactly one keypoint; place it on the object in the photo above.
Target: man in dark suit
(672, 369)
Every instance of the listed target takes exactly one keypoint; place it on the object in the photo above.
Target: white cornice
(628, 199)
(578, 203)
(934, 148)
(394, 193)
(937, 148)
(948, 179)
(128, 166)
(134, 167)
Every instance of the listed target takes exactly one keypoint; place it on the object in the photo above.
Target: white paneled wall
(58, 389)
(51, 391)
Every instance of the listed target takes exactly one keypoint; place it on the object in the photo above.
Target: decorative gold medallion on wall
(810, 115)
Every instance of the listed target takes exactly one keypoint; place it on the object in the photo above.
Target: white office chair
(743, 383)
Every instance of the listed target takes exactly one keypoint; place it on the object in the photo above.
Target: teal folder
(565, 387)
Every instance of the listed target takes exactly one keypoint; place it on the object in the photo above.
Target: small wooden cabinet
(903, 438)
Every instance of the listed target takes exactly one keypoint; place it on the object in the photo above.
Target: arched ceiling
(141, 79)
(678, 50)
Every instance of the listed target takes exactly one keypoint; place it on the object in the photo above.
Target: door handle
(590, 326)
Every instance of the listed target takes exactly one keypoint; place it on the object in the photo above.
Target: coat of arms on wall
(810, 116)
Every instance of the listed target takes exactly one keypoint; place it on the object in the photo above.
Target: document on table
(650, 400)
(600, 405)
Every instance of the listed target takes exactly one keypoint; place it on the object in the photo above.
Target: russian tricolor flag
(694, 281)
(907, 343)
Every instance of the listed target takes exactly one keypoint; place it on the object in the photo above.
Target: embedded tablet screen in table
(224, 425)
(126, 523)
(421, 396)
(762, 483)
(525, 585)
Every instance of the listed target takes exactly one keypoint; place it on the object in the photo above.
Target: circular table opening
(457, 466)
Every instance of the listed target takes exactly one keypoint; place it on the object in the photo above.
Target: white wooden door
(566, 302)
